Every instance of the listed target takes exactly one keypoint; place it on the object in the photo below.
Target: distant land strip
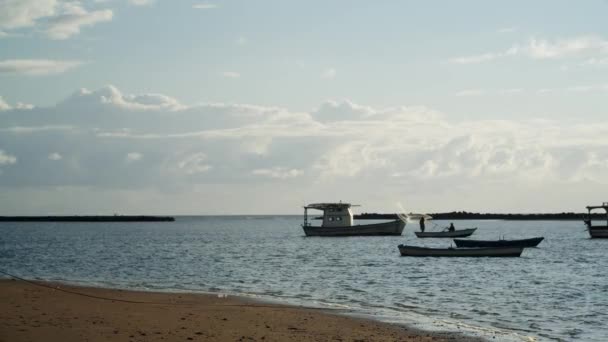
(108, 218)
(463, 215)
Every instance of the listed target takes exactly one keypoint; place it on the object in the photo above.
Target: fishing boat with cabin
(338, 221)
(597, 231)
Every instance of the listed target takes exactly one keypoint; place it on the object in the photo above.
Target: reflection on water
(556, 291)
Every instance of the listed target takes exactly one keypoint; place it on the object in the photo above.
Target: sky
(260, 107)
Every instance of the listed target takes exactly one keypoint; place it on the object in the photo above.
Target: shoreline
(88, 218)
(463, 215)
(33, 313)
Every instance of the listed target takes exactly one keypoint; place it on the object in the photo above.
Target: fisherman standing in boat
(422, 224)
(451, 229)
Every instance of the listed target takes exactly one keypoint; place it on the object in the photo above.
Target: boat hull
(460, 252)
(447, 234)
(532, 242)
(599, 232)
(384, 228)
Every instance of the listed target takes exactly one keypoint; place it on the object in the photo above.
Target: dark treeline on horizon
(464, 215)
(96, 218)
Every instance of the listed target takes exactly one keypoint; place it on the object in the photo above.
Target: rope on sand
(57, 288)
(76, 293)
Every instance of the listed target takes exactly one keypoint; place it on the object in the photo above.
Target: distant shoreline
(108, 218)
(463, 215)
(455, 215)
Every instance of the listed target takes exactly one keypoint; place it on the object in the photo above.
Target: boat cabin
(334, 214)
(591, 208)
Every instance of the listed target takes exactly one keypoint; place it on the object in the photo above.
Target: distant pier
(108, 218)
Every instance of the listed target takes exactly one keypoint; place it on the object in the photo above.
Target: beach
(32, 312)
(269, 259)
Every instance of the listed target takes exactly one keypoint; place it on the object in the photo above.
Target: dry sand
(33, 313)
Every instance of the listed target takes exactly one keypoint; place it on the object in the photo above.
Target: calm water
(558, 291)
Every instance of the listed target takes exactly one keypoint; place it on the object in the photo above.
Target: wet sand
(33, 313)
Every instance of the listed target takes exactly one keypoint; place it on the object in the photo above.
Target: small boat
(338, 221)
(532, 242)
(597, 231)
(460, 252)
(447, 233)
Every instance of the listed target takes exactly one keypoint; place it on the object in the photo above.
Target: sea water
(558, 291)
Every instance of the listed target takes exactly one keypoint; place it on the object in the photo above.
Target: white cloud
(73, 16)
(341, 110)
(329, 74)
(507, 30)
(111, 96)
(351, 158)
(475, 58)
(24, 13)
(24, 106)
(204, 6)
(20, 106)
(545, 49)
(481, 92)
(231, 74)
(4, 105)
(485, 57)
(7, 159)
(587, 88)
(278, 173)
(141, 2)
(36, 129)
(55, 156)
(471, 92)
(194, 164)
(36, 67)
(57, 19)
(133, 157)
(540, 49)
(596, 62)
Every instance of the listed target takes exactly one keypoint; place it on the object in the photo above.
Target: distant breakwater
(109, 218)
(463, 215)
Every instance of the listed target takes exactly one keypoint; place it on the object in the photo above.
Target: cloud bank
(129, 146)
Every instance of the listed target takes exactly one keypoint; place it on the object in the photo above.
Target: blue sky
(214, 107)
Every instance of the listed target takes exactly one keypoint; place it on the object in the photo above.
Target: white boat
(338, 221)
(597, 231)
(447, 233)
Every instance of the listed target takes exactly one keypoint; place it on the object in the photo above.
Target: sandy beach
(34, 313)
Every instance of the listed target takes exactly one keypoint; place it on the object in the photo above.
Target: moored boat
(597, 231)
(447, 233)
(532, 242)
(415, 251)
(338, 221)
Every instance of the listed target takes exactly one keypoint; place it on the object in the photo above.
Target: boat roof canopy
(323, 206)
(603, 206)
